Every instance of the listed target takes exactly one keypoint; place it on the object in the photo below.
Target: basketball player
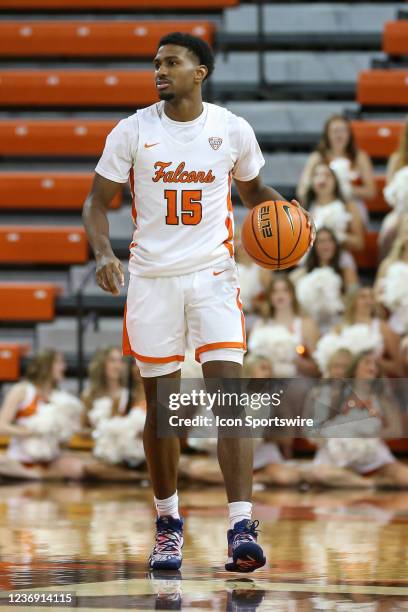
(180, 156)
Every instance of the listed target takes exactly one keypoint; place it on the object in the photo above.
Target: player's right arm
(9, 410)
(109, 270)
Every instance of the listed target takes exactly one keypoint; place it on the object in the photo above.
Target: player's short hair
(195, 45)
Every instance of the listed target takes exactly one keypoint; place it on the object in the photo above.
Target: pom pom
(334, 216)
(101, 410)
(250, 284)
(326, 347)
(319, 292)
(348, 451)
(277, 344)
(40, 448)
(361, 337)
(119, 439)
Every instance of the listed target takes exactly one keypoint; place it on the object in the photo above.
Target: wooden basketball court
(340, 551)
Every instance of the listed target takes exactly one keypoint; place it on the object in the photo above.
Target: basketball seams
(277, 231)
(300, 234)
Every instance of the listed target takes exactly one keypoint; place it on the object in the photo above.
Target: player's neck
(186, 109)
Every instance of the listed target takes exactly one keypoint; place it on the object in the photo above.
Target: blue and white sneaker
(166, 554)
(244, 553)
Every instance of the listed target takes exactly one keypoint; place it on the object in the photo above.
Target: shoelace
(168, 541)
(249, 534)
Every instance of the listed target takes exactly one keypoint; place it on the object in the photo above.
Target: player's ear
(201, 73)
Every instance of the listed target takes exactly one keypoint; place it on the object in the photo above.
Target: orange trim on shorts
(132, 191)
(217, 345)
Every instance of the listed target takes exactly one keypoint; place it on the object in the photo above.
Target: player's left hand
(310, 222)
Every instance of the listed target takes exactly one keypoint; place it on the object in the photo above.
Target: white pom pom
(274, 342)
(334, 216)
(361, 337)
(395, 285)
(249, 283)
(101, 410)
(40, 448)
(120, 438)
(396, 193)
(343, 170)
(319, 292)
(326, 347)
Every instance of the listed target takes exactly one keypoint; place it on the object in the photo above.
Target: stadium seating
(65, 137)
(91, 39)
(27, 301)
(367, 259)
(378, 204)
(395, 38)
(377, 138)
(383, 88)
(10, 358)
(46, 190)
(42, 244)
(117, 4)
(76, 88)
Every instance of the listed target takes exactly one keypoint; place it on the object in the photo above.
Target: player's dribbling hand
(310, 222)
(109, 274)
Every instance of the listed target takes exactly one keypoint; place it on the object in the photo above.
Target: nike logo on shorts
(148, 146)
(217, 273)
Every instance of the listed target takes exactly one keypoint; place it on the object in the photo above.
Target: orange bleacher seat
(85, 38)
(27, 301)
(77, 87)
(46, 190)
(377, 138)
(77, 137)
(117, 4)
(378, 204)
(42, 244)
(383, 88)
(369, 257)
(395, 38)
(10, 355)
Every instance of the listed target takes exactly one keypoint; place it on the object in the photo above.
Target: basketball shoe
(166, 554)
(244, 553)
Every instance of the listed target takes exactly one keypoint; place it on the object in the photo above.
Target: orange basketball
(276, 234)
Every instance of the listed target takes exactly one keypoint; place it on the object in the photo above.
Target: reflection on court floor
(340, 551)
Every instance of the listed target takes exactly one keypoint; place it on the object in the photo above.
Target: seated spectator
(283, 335)
(373, 415)
(329, 208)
(396, 193)
(323, 280)
(116, 417)
(338, 149)
(391, 285)
(39, 418)
(361, 310)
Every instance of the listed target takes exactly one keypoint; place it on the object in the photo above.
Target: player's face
(323, 180)
(280, 296)
(367, 368)
(365, 300)
(176, 72)
(325, 246)
(338, 134)
(114, 365)
(58, 368)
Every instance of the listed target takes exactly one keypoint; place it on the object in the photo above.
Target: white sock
(238, 511)
(168, 506)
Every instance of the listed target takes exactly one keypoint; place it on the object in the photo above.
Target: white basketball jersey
(181, 193)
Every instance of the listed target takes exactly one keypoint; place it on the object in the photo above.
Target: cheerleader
(361, 310)
(338, 149)
(396, 193)
(325, 201)
(372, 413)
(282, 323)
(110, 397)
(31, 454)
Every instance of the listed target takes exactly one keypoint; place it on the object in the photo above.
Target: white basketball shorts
(161, 311)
